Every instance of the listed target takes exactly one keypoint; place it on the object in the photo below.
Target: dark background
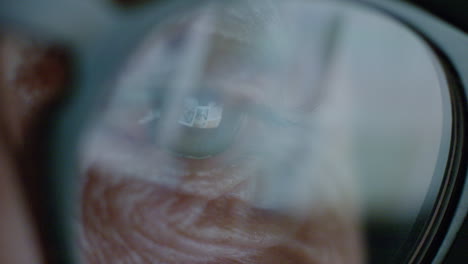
(454, 12)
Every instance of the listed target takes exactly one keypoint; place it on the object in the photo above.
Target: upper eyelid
(244, 88)
(272, 117)
(249, 97)
(246, 98)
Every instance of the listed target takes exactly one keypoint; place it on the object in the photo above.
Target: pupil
(199, 114)
(205, 127)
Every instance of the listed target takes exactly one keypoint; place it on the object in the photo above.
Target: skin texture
(130, 220)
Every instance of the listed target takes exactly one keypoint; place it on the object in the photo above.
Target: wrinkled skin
(126, 220)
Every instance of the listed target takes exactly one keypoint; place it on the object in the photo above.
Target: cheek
(137, 217)
(134, 221)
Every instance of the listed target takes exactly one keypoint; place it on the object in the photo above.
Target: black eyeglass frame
(89, 28)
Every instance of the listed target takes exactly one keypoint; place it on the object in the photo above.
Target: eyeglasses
(103, 39)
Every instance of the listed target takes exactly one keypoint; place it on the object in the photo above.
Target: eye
(199, 96)
(204, 126)
(244, 126)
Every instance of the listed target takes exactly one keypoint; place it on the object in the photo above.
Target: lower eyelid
(129, 156)
(124, 156)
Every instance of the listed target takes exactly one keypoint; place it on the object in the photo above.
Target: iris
(206, 124)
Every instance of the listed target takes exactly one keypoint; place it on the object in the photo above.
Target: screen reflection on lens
(263, 132)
